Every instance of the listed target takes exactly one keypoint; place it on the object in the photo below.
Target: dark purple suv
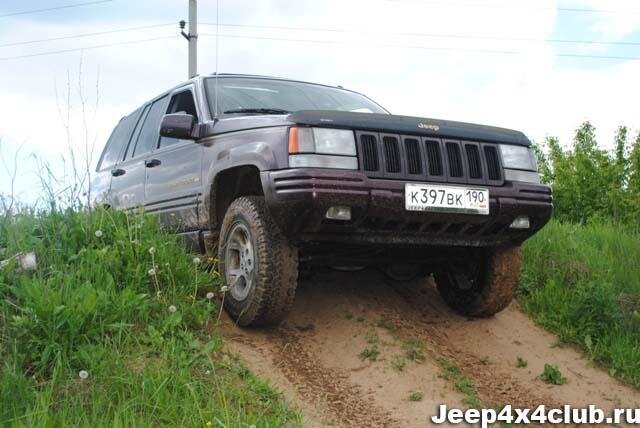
(274, 174)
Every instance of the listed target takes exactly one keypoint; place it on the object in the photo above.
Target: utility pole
(192, 37)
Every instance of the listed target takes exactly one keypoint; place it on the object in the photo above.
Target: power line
(332, 42)
(431, 48)
(512, 6)
(335, 30)
(428, 35)
(130, 42)
(77, 36)
(26, 12)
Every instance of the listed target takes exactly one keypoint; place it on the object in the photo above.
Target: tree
(589, 182)
(634, 180)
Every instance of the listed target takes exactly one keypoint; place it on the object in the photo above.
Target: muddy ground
(317, 356)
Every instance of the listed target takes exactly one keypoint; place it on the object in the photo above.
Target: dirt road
(357, 347)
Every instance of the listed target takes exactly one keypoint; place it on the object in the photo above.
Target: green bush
(590, 183)
(119, 300)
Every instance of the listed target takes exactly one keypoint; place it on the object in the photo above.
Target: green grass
(463, 384)
(583, 283)
(414, 350)
(103, 303)
(370, 353)
(416, 396)
(552, 375)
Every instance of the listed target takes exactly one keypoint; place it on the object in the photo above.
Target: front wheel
(258, 263)
(483, 286)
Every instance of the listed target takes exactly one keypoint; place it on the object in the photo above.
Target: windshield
(269, 96)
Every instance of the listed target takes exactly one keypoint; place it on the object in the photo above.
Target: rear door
(128, 189)
(108, 170)
(174, 177)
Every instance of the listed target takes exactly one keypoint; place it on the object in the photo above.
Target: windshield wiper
(258, 111)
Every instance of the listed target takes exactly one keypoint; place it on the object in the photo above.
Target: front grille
(414, 161)
(455, 159)
(412, 157)
(434, 158)
(369, 153)
(493, 163)
(473, 157)
(391, 154)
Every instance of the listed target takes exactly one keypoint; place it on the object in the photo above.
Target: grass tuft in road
(552, 375)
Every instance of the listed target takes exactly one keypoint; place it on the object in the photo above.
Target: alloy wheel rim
(240, 262)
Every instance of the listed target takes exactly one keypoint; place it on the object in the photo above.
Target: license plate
(428, 197)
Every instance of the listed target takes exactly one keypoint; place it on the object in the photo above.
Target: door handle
(150, 163)
(117, 172)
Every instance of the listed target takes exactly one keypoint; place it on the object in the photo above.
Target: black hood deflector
(408, 125)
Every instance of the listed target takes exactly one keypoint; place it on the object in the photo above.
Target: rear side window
(136, 132)
(148, 137)
(182, 102)
(119, 138)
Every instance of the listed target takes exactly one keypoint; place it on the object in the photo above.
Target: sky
(521, 64)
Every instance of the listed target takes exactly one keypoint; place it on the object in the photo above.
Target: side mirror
(177, 125)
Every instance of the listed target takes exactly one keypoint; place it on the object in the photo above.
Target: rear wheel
(483, 286)
(258, 263)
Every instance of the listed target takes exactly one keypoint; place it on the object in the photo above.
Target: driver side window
(181, 102)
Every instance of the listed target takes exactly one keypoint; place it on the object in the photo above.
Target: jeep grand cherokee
(277, 175)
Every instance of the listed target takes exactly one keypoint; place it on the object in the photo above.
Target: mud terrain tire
(490, 290)
(270, 264)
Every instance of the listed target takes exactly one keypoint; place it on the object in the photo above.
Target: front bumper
(299, 198)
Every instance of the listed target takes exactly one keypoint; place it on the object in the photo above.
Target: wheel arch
(228, 185)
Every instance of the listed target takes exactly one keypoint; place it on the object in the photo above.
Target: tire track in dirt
(495, 385)
(337, 400)
(329, 386)
(314, 356)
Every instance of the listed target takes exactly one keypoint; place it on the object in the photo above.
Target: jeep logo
(428, 126)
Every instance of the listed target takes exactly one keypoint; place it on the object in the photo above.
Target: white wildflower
(83, 374)
(208, 372)
(224, 288)
(98, 233)
(152, 250)
(151, 272)
(172, 309)
(210, 295)
(196, 261)
(28, 261)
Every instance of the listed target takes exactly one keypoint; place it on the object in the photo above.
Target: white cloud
(456, 79)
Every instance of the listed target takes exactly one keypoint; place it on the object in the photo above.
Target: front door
(174, 173)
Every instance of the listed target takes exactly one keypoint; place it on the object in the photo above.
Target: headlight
(322, 148)
(518, 157)
(322, 140)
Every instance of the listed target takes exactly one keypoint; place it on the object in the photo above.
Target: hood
(408, 125)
